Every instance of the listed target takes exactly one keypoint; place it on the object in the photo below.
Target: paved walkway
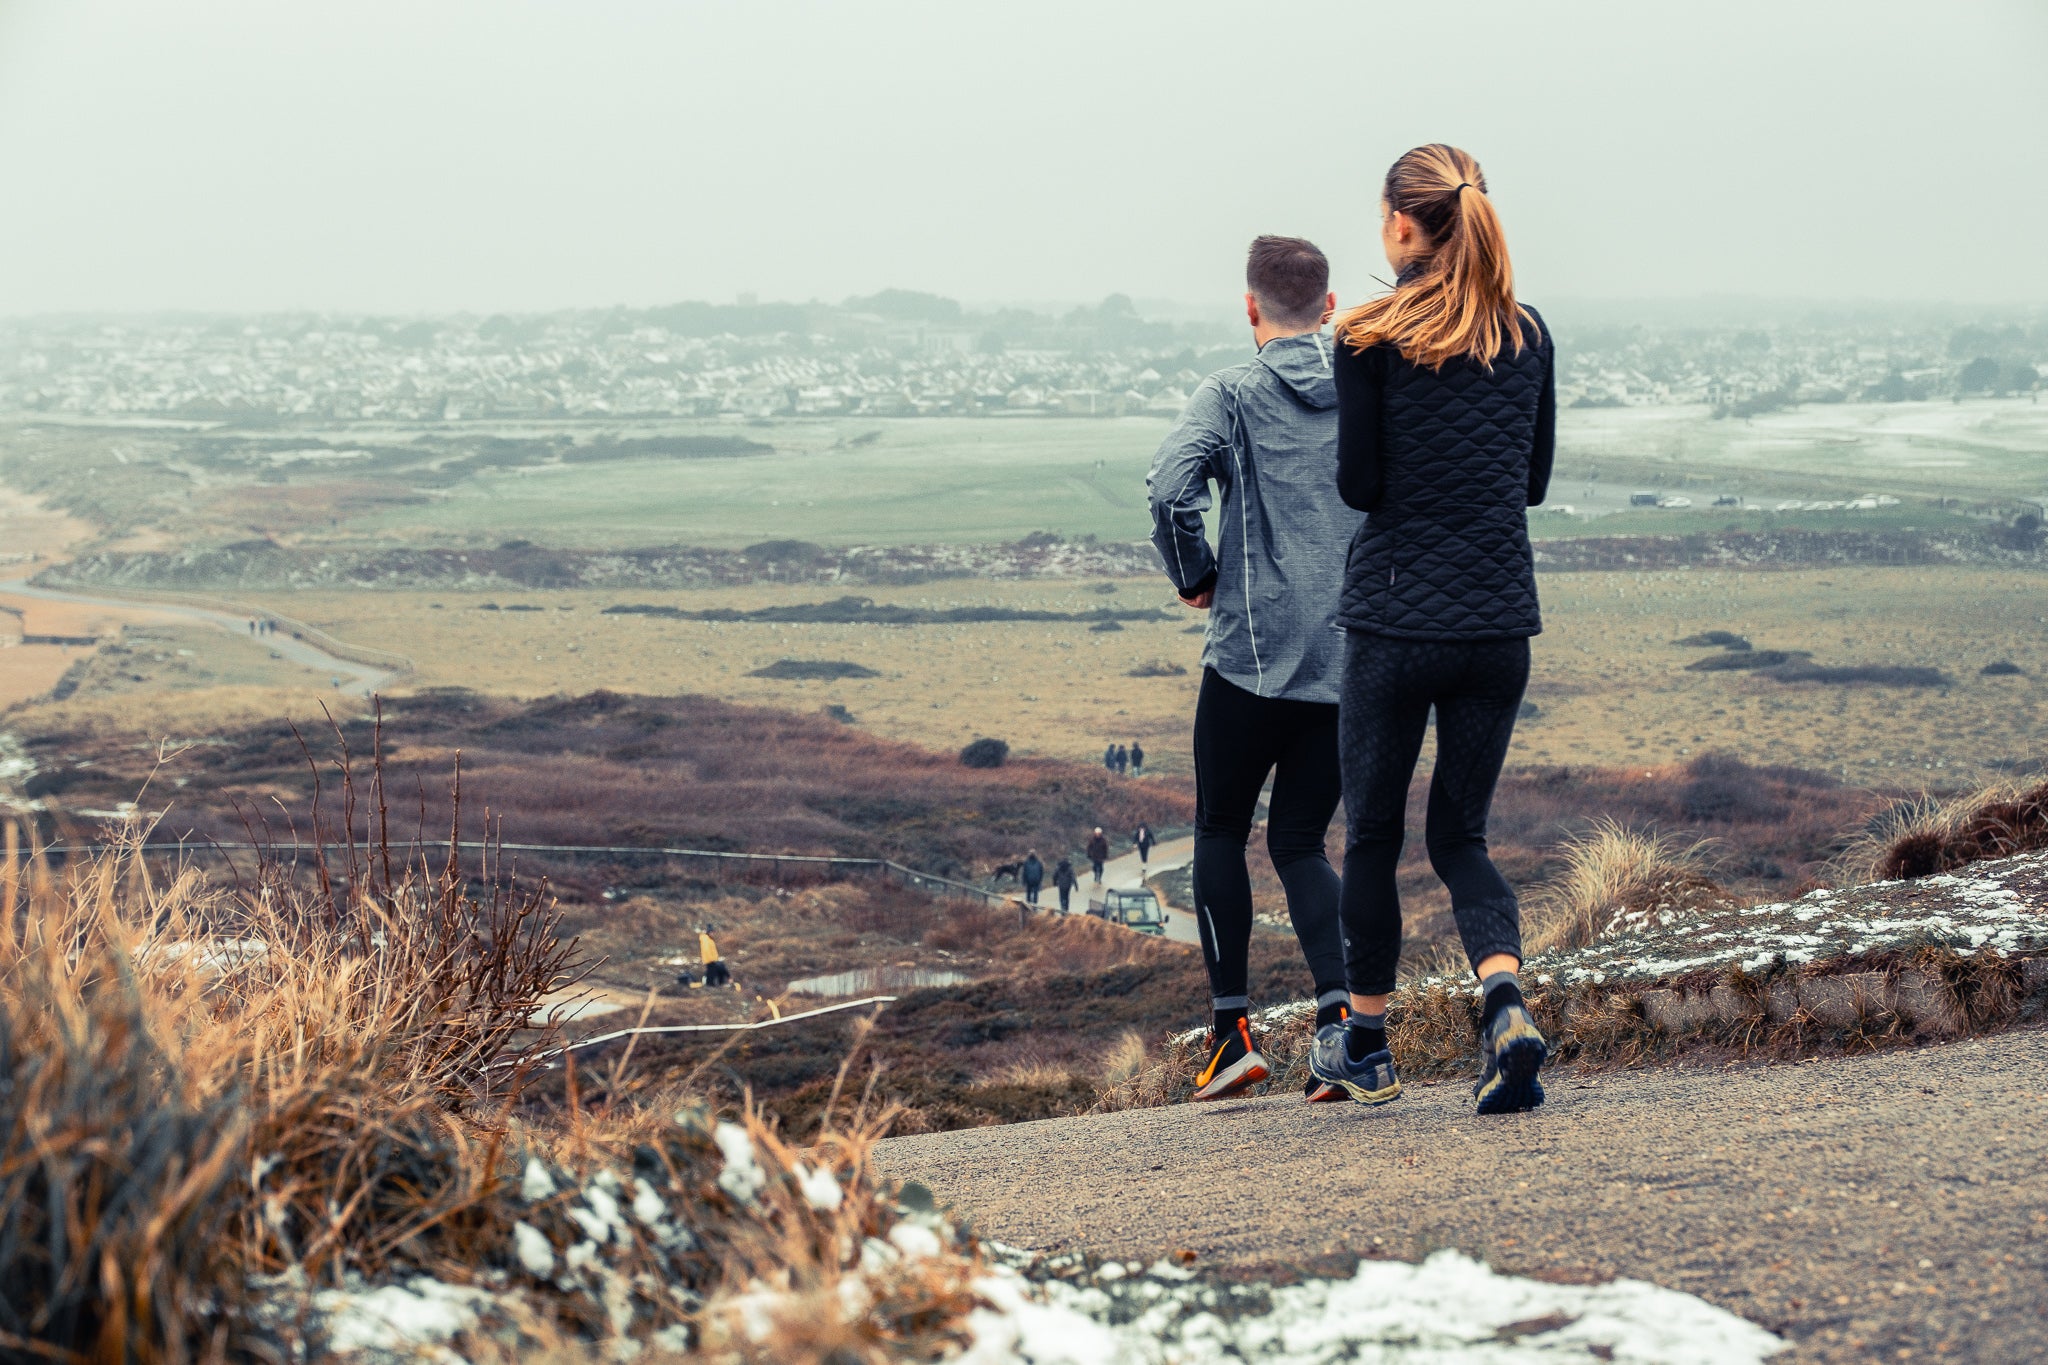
(350, 677)
(1868, 1208)
(1124, 873)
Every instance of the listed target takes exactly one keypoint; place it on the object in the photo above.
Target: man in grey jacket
(1265, 434)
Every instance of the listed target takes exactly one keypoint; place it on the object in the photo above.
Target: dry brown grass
(309, 1071)
(1610, 872)
(208, 1080)
(1938, 834)
(1613, 691)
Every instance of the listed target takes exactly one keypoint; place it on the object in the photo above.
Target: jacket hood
(1302, 363)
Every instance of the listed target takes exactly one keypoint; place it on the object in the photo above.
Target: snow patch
(424, 1312)
(1449, 1308)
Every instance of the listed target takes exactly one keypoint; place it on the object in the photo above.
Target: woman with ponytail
(1447, 423)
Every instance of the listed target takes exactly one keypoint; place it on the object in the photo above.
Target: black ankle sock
(1225, 1021)
(1364, 1034)
(1502, 989)
(1331, 1011)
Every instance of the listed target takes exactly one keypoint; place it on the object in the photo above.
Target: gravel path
(1888, 1207)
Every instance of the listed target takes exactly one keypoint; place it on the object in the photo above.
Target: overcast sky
(421, 155)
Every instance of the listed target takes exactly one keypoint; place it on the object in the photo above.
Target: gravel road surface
(1889, 1207)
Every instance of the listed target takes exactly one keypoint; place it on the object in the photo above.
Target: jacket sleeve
(1544, 455)
(1361, 399)
(1192, 454)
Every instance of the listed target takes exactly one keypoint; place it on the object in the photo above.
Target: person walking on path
(1109, 756)
(1123, 760)
(1142, 840)
(1265, 434)
(1447, 424)
(1098, 853)
(1137, 758)
(1064, 881)
(1032, 874)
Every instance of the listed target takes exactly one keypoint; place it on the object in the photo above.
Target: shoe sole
(1515, 1087)
(1365, 1096)
(1325, 1093)
(1247, 1071)
(1359, 1092)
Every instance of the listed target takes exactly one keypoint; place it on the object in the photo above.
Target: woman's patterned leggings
(1389, 687)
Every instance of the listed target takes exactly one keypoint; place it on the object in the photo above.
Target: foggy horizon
(235, 158)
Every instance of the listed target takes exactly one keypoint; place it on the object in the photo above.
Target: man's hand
(1201, 601)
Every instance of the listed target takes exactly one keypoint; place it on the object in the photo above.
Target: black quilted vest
(1445, 556)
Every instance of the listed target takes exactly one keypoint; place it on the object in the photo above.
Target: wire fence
(773, 863)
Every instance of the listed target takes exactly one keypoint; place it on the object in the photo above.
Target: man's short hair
(1290, 278)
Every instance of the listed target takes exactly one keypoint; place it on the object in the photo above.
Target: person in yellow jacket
(715, 971)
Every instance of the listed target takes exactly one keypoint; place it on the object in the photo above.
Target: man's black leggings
(1240, 737)
(1389, 687)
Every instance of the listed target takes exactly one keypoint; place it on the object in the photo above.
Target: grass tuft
(1610, 872)
(1938, 834)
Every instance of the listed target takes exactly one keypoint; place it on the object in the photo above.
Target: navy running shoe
(1512, 1051)
(1371, 1081)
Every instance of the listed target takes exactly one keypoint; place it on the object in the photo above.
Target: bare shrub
(985, 753)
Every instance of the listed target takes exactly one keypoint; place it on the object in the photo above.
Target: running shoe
(1319, 1091)
(1372, 1081)
(1513, 1051)
(1234, 1065)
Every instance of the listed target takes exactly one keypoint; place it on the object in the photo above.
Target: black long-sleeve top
(1446, 462)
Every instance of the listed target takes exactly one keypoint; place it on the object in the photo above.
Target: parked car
(1138, 910)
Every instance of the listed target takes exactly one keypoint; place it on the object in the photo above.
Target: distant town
(895, 354)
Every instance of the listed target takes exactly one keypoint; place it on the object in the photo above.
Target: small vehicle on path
(1137, 909)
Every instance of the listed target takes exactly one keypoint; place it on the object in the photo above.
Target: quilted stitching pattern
(1446, 557)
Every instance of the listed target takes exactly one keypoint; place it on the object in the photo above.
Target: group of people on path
(1031, 869)
(1120, 760)
(1372, 566)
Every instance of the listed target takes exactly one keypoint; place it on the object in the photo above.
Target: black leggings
(1389, 687)
(1240, 737)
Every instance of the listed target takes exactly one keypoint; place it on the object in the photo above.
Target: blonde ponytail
(1462, 301)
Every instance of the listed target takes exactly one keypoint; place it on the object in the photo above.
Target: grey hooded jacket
(1265, 433)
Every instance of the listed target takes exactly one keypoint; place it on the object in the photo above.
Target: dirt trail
(1885, 1207)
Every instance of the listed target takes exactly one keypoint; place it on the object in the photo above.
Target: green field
(906, 481)
(850, 481)
(969, 480)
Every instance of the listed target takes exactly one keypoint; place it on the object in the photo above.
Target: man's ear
(1329, 305)
(1251, 308)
